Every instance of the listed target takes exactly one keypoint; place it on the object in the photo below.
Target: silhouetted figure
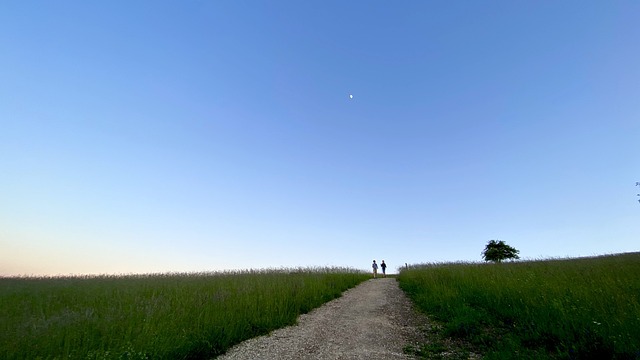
(374, 266)
(384, 269)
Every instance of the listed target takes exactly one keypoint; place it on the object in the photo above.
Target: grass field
(585, 308)
(160, 316)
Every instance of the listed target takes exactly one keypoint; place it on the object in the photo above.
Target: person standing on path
(384, 269)
(374, 266)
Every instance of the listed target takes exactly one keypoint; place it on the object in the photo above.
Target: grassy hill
(584, 308)
(160, 316)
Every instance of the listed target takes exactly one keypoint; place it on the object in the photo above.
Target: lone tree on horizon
(497, 251)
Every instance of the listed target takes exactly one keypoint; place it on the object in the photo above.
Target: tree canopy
(497, 251)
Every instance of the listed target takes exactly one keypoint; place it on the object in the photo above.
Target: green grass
(159, 316)
(586, 308)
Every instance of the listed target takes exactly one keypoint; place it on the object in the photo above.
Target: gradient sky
(180, 136)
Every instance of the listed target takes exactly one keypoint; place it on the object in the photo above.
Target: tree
(497, 251)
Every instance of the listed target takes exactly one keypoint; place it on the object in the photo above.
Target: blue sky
(193, 136)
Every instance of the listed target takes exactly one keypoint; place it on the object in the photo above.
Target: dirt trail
(374, 320)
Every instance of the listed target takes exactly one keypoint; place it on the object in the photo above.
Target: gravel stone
(374, 320)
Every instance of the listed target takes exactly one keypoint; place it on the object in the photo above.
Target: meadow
(584, 308)
(157, 316)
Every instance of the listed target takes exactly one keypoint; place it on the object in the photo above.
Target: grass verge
(159, 316)
(587, 308)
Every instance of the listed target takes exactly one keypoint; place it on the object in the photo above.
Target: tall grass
(587, 308)
(160, 316)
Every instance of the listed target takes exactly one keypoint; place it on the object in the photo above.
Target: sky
(190, 136)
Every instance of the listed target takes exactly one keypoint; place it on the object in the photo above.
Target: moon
(350, 96)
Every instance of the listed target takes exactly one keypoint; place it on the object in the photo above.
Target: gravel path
(374, 320)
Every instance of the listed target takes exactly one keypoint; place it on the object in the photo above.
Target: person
(374, 266)
(384, 269)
